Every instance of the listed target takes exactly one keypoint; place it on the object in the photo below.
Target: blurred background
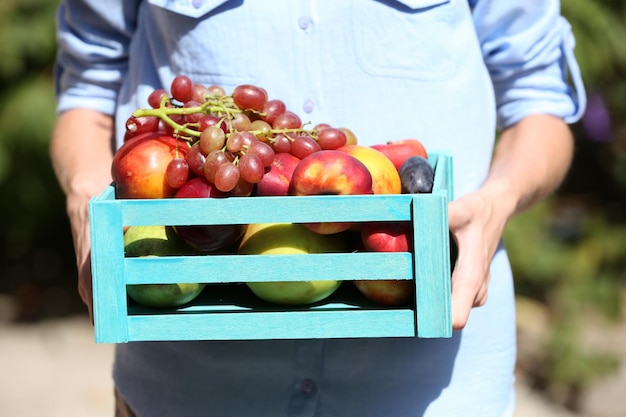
(568, 253)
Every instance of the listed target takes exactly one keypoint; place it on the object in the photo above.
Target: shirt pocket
(192, 40)
(404, 38)
(190, 8)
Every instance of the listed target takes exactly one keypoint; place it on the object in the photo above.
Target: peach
(385, 177)
(139, 166)
(330, 172)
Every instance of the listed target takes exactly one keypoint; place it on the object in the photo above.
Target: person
(494, 83)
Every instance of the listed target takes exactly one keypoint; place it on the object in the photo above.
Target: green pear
(287, 238)
(153, 241)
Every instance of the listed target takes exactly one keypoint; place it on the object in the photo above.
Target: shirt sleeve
(528, 48)
(93, 38)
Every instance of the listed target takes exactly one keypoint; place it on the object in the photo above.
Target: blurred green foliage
(568, 253)
(36, 255)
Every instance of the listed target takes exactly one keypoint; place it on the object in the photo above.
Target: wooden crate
(227, 311)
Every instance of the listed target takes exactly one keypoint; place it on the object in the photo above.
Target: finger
(481, 297)
(467, 281)
(462, 303)
(85, 289)
(467, 292)
(457, 217)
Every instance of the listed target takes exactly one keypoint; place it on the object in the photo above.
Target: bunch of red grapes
(231, 139)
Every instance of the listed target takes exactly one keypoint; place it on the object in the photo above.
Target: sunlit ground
(53, 368)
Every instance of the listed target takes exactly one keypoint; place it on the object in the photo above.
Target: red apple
(398, 151)
(276, 181)
(387, 292)
(330, 172)
(387, 237)
(139, 166)
(385, 177)
(208, 238)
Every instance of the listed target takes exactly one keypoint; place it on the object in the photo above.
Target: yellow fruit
(287, 238)
(385, 177)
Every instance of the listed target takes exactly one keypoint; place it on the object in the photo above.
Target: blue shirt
(448, 72)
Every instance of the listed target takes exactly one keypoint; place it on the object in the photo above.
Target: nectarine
(385, 177)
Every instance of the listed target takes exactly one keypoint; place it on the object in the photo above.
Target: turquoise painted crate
(226, 311)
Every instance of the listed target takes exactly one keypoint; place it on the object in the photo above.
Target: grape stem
(219, 105)
(164, 113)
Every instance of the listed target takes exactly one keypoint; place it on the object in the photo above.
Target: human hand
(476, 222)
(83, 172)
(84, 284)
(77, 208)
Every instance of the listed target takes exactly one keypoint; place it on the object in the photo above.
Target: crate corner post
(108, 277)
(432, 273)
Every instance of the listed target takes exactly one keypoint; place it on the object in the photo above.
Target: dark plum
(416, 175)
(209, 238)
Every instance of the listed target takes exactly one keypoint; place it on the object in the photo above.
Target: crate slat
(263, 268)
(274, 325)
(118, 321)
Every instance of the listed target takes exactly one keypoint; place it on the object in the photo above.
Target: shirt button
(307, 385)
(197, 3)
(304, 22)
(308, 106)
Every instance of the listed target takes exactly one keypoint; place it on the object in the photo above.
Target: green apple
(288, 238)
(152, 241)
